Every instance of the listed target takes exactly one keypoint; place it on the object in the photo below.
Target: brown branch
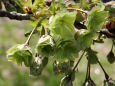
(14, 15)
(107, 33)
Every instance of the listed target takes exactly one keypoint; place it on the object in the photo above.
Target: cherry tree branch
(14, 15)
(107, 33)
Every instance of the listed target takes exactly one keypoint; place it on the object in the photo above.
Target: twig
(27, 42)
(78, 61)
(107, 33)
(14, 15)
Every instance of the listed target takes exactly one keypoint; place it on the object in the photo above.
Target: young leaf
(91, 56)
(83, 4)
(110, 7)
(62, 24)
(111, 57)
(37, 4)
(20, 53)
(45, 46)
(66, 49)
(94, 22)
(96, 18)
(83, 39)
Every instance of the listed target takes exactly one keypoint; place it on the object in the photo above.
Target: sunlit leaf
(83, 39)
(62, 24)
(96, 18)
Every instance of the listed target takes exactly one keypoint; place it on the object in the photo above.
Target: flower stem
(89, 77)
(106, 75)
(78, 61)
(87, 72)
(27, 41)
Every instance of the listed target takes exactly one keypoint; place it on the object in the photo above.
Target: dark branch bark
(14, 15)
(107, 33)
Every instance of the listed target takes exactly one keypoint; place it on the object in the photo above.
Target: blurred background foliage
(12, 32)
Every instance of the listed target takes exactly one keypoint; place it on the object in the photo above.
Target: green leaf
(20, 53)
(91, 56)
(52, 8)
(111, 57)
(37, 2)
(111, 8)
(66, 49)
(62, 24)
(96, 18)
(83, 4)
(94, 22)
(84, 39)
(26, 3)
(45, 46)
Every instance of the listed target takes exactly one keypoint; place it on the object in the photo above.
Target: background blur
(12, 32)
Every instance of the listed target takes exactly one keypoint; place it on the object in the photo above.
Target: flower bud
(38, 65)
(62, 67)
(89, 82)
